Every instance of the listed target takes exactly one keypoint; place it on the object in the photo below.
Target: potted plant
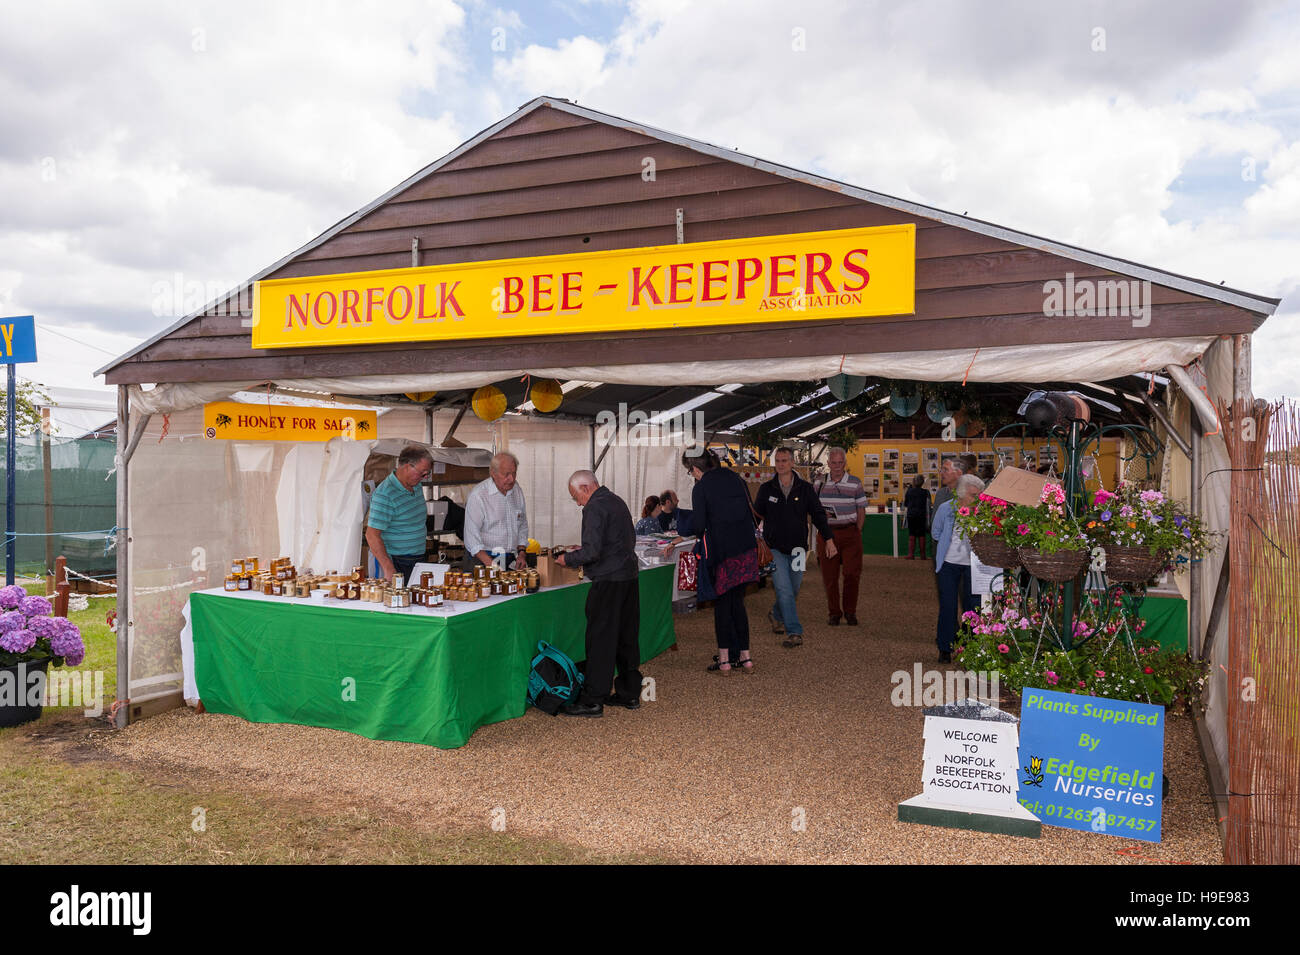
(985, 524)
(1050, 542)
(30, 639)
(1141, 531)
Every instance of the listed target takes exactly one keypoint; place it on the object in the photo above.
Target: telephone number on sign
(1090, 815)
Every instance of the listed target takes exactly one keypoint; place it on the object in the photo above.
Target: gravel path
(717, 769)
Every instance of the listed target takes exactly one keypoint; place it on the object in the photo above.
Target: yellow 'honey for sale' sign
(844, 273)
(267, 422)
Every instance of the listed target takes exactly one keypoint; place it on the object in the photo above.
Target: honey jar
(237, 567)
(245, 581)
(252, 565)
(534, 583)
(232, 583)
(426, 579)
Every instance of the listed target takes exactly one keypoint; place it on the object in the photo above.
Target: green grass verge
(89, 813)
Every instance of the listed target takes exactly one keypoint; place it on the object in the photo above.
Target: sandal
(718, 666)
(793, 640)
(745, 666)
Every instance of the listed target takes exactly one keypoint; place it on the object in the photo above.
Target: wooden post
(61, 587)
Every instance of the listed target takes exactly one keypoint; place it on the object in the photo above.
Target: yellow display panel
(233, 420)
(843, 273)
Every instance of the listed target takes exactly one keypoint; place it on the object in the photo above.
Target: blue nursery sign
(1091, 763)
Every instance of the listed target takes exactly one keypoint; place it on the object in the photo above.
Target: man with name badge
(845, 503)
(396, 527)
(496, 522)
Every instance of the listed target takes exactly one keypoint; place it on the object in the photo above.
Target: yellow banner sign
(240, 422)
(809, 275)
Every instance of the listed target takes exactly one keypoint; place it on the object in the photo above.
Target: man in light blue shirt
(396, 528)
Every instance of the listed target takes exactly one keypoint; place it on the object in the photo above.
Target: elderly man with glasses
(496, 520)
(395, 529)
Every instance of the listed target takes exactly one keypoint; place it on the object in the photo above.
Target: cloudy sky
(147, 148)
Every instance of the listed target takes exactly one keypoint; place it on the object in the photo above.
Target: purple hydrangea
(35, 606)
(18, 641)
(66, 642)
(10, 596)
(12, 620)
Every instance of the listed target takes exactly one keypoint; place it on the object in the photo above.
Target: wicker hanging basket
(1057, 568)
(1133, 565)
(994, 551)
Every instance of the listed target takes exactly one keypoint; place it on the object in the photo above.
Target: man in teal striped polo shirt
(396, 527)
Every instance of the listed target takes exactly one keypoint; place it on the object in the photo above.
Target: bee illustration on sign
(1034, 771)
(363, 425)
(222, 420)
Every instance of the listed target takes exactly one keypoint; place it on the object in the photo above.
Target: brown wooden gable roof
(556, 178)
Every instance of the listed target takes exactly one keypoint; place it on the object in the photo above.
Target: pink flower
(1022, 529)
(963, 511)
(1100, 674)
(1023, 623)
(1101, 497)
(1003, 648)
(1081, 683)
(1052, 678)
(1148, 670)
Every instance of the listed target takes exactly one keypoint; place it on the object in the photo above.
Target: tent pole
(1194, 580)
(123, 602)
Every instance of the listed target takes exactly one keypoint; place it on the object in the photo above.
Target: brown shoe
(851, 620)
(833, 620)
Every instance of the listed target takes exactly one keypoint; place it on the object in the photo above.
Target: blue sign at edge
(17, 340)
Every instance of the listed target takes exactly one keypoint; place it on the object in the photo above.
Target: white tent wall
(1215, 511)
(193, 506)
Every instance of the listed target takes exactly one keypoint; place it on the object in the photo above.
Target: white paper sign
(971, 762)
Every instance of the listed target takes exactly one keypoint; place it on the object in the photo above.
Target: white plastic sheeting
(320, 504)
(1216, 480)
(1071, 361)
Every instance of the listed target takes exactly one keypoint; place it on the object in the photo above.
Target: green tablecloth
(415, 678)
(877, 538)
(1166, 619)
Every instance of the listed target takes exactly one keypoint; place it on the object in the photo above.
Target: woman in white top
(952, 563)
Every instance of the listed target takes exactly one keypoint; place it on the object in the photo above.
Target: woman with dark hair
(650, 511)
(723, 520)
(917, 504)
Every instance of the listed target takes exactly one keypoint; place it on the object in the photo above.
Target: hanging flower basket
(1056, 567)
(994, 551)
(1133, 565)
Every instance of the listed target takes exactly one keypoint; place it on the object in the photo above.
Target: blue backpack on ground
(554, 679)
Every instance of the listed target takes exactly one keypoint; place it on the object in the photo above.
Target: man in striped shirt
(396, 527)
(845, 503)
(496, 521)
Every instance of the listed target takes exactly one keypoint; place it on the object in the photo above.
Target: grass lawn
(64, 806)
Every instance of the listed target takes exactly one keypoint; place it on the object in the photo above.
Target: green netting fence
(82, 503)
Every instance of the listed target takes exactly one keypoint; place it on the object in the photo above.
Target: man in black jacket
(608, 559)
(786, 504)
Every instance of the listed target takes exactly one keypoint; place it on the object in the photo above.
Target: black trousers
(731, 623)
(613, 639)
